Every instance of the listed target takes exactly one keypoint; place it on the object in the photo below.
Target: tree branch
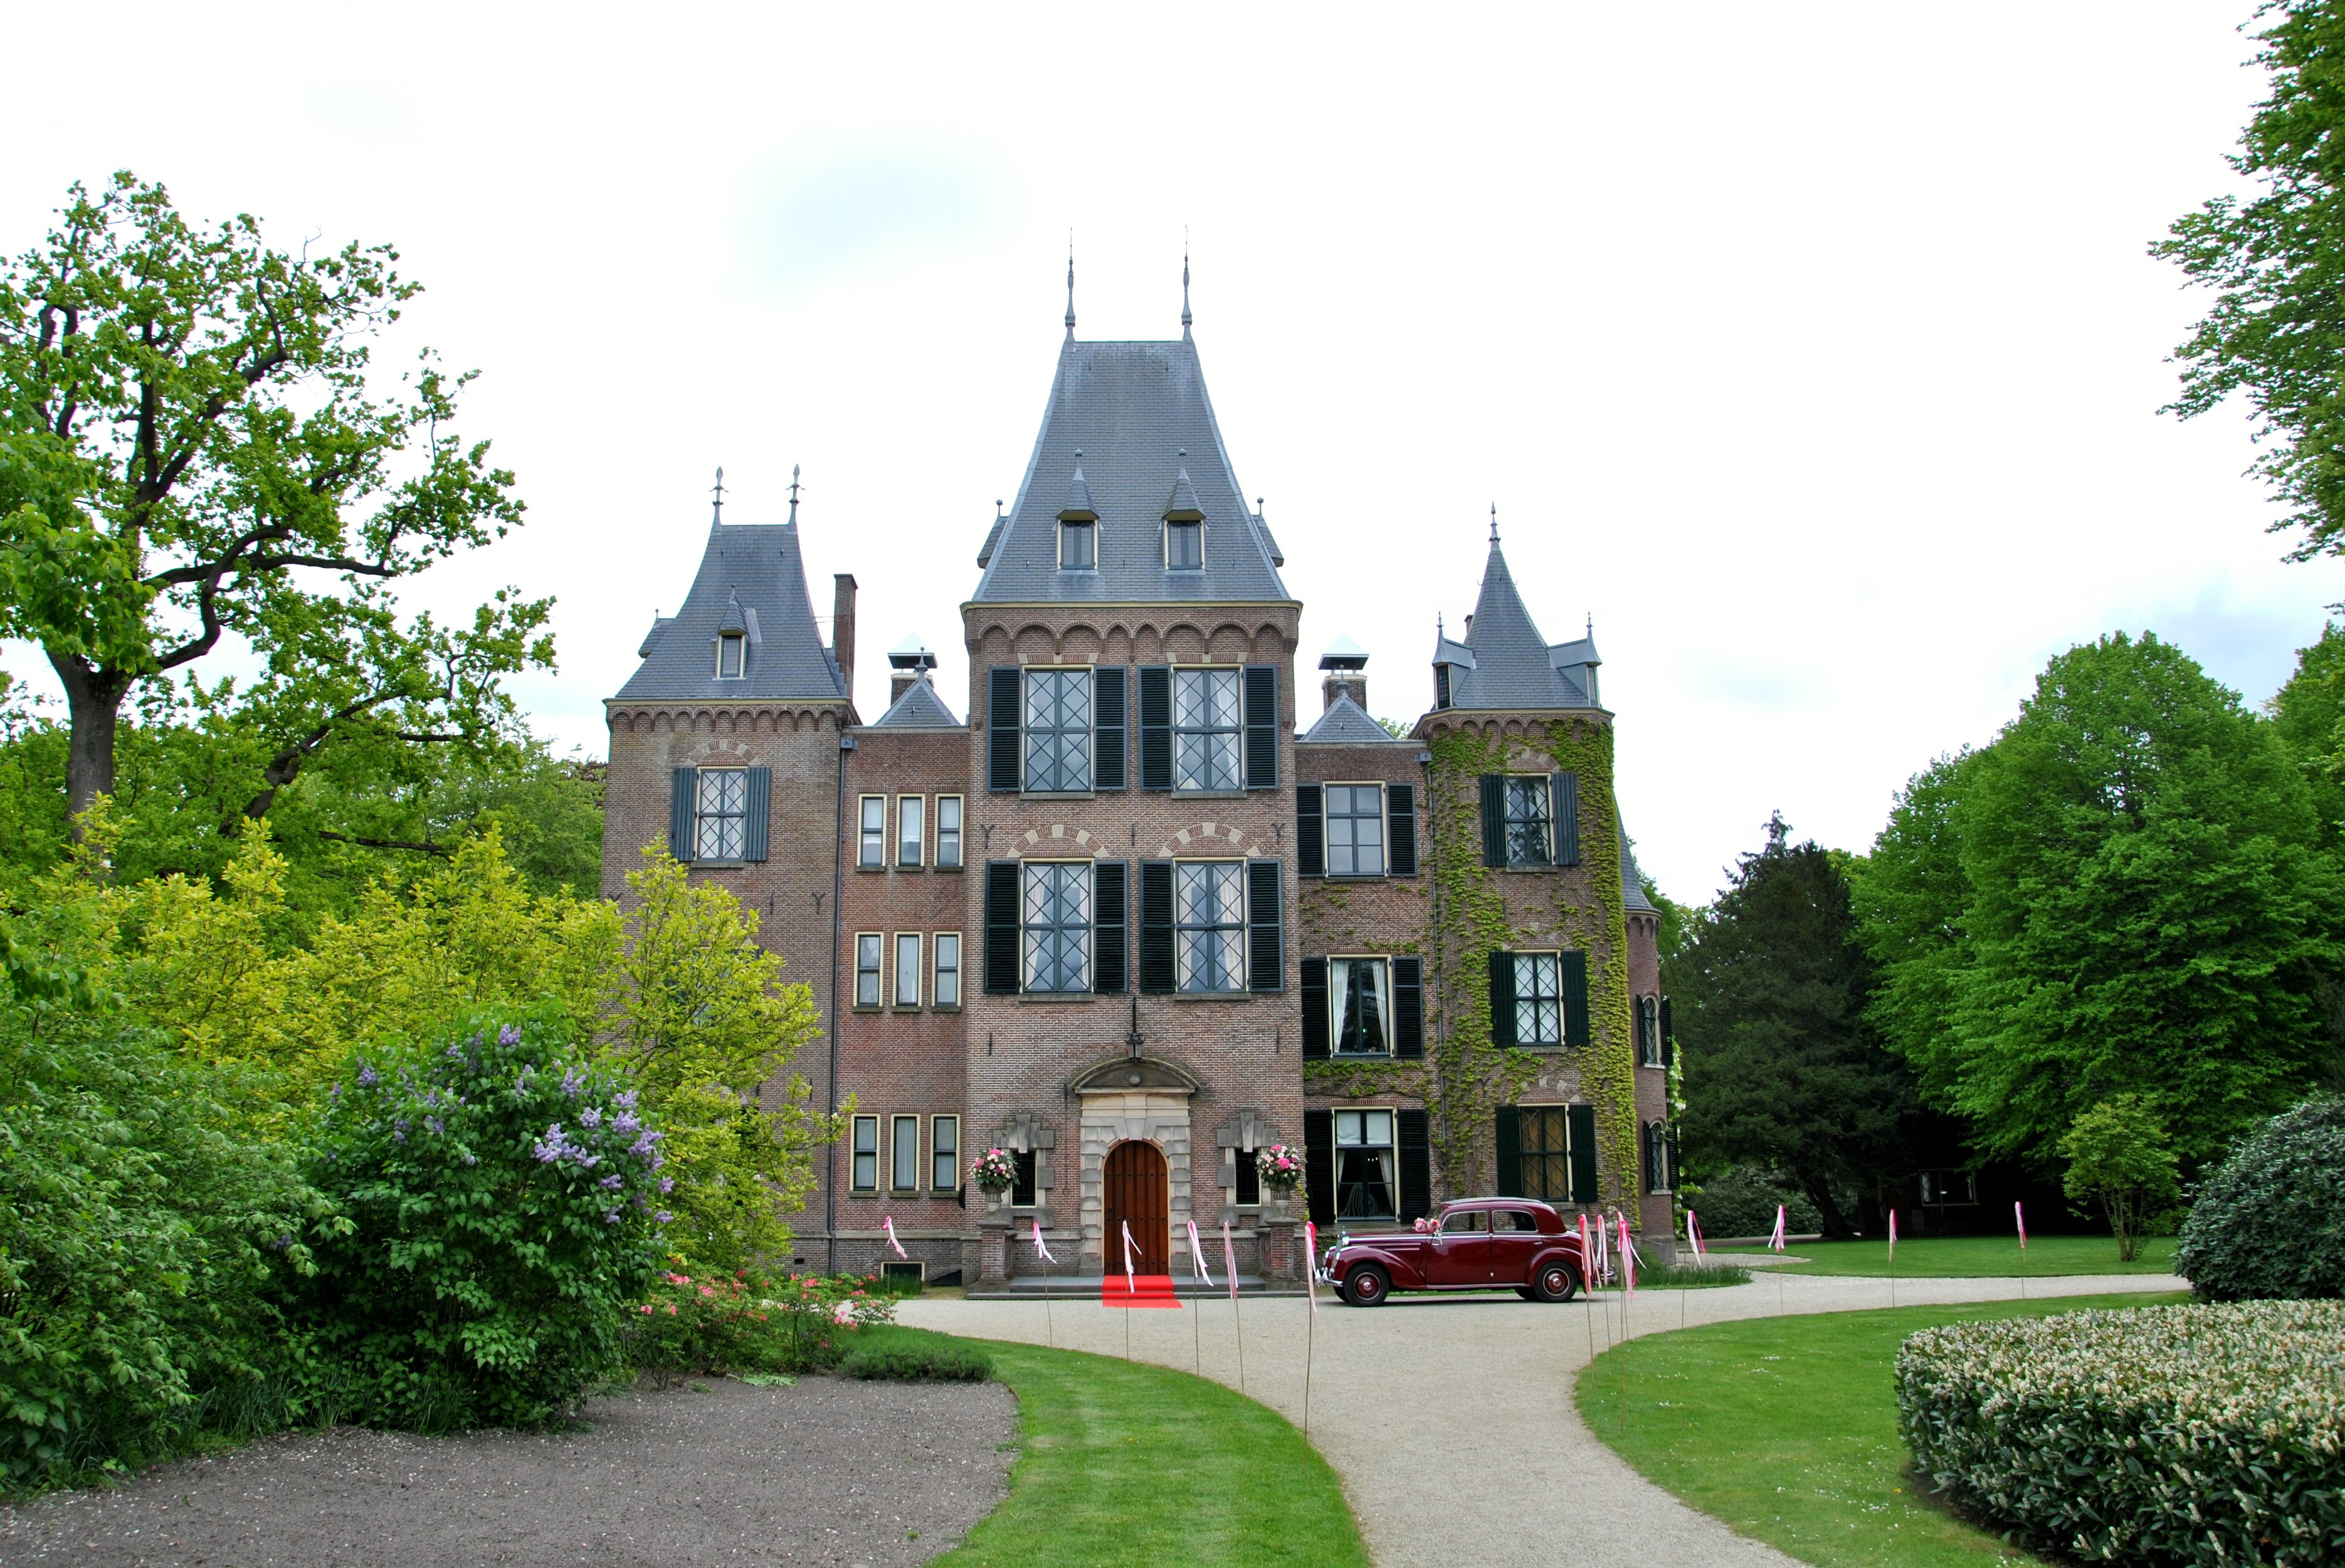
(442, 851)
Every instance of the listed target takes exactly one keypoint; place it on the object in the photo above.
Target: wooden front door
(1138, 1193)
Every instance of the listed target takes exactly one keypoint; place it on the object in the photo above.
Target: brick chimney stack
(1343, 668)
(842, 628)
(908, 662)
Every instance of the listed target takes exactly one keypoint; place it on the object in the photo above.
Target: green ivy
(1359, 1079)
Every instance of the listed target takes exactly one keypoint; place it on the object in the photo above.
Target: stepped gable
(752, 580)
(1506, 663)
(1149, 445)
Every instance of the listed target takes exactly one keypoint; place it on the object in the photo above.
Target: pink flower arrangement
(1280, 1166)
(995, 1170)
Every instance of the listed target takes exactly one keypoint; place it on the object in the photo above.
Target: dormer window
(730, 646)
(1078, 545)
(1184, 546)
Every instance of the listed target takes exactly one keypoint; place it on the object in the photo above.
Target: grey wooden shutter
(1582, 1123)
(1262, 726)
(1576, 1031)
(759, 807)
(1416, 1148)
(682, 798)
(1108, 727)
(1510, 1152)
(1494, 819)
(1155, 726)
(1319, 1166)
(1400, 829)
(1567, 819)
(1310, 832)
(1266, 947)
(1669, 1037)
(1006, 761)
(1156, 967)
(1109, 927)
(1002, 928)
(1408, 1007)
(1502, 998)
(1314, 1007)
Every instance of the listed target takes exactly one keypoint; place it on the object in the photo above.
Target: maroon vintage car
(1473, 1244)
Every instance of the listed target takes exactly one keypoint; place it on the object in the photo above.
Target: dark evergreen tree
(1782, 1069)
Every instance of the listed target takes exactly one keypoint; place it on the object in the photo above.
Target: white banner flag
(1045, 1252)
(889, 1222)
(1310, 1264)
(1197, 1257)
(1130, 1289)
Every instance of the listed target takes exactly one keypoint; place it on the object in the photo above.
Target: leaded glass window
(1057, 730)
(723, 813)
(1356, 830)
(1208, 717)
(1538, 1001)
(1359, 997)
(1058, 919)
(1364, 1165)
(1544, 1144)
(1209, 922)
(1528, 815)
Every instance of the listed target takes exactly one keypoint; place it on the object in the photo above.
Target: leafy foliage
(503, 1191)
(2118, 1153)
(736, 1323)
(1740, 1200)
(2270, 1220)
(2195, 1434)
(896, 1358)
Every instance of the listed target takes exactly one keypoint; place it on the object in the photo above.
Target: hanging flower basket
(1280, 1166)
(994, 1170)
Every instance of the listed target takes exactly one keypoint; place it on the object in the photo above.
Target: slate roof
(1632, 885)
(1132, 409)
(1509, 665)
(751, 578)
(919, 708)
(1346, 723)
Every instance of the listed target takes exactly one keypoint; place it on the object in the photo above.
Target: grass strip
(1135, 1465)
(1970, 1257)
(1786, 1428)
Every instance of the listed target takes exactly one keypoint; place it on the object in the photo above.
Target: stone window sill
(1059, 999)
(720, 865)
(1057, 795)
(1215, 996)
(1209, 795)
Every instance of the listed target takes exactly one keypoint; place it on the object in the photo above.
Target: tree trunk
(94, 705)
(1835, 1223)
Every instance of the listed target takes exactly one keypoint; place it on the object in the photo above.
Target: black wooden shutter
(1567, 819)
(1408, 1007)
(1510, 1152)
(1649, 1143)
(1107, 731)
(1262, 726)
(1415, 1165)
(1576, 1031)
(1110, 972)
(1156, 970)
(759, 808)
(1265, 950)
(1155, 726)
(1502, 998)
(1005, 767)
(1669, 1037)
(1400, 829)
(683, 796)
(1314, 1007)
(1002, 928)
(1319, 1166)
(1582, 1122)
(1494, 819)
(1310, 832)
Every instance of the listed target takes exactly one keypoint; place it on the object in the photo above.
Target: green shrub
(1691, 1275)
(910, 1356)
(1741, 1202)
(2118, 1152)
(2271, 1221)
(719, 1324)
(503, 1192)
(2163, 1435)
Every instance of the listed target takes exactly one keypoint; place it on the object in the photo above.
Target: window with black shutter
(1155, 726)
(1502, 998)
(1002, 928)
(1583, 1153)
(1400, 822)
(1576, 1028)
(1310, 841)
(683, 812)
(1415, 1139)
(1567, 819)
(1156, 928)
(1669, 1037)
(1494, 819)
(1108, 926)
(1107, 717)
(1266, 959)
(1314, 1007)
(1004, 748)
(1262, 726)
(1510, 1152)
(1408, 1007)
(1319, 1165)
(759, 812)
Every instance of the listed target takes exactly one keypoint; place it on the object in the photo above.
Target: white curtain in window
(1360, 1000)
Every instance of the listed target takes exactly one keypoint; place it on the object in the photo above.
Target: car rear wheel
(1556, 1281)
(1367, 1286)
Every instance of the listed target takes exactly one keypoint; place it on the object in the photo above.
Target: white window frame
(857, 1154)
(1184, 961)
(958, 830)
(898, 945)
(871, 833)
(737, 645)
(940, 1159)
(1067, 528)
(1085, 733)
(1233, 733)
(1172, 523)
(1391, 1146)
(1649, 1031)
(911, 831)
(1526, 1001)
(1030, 929)
(937, 988)
(872, 942)
(1328, 818)
(896, 1123)
(715, 782)
(1338, 992)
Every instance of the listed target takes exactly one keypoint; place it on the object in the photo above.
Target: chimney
(908, 661)
(1345, 669)
(842, 630)
(898, 683)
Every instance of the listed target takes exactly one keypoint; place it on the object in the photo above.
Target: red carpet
(1142, 1290)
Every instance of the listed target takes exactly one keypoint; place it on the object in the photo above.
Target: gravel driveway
(1450, 1418)
(829, 1472)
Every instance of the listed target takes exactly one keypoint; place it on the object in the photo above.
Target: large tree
(1782, 1069)
(195, 446)
(2275, 332)
(2125, 894)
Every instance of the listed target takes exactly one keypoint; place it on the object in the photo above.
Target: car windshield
(1470, 1221)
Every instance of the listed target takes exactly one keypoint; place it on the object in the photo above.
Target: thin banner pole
(1311, 1331)
(1237, 1319)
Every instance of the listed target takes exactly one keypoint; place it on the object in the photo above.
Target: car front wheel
(1557, 1282)
(1367, 1286)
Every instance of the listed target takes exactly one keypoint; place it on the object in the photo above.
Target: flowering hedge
(2197, 1434)
(731, 1323)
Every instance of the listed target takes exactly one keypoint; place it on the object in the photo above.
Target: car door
(1514, 1242)
(1460, 1254)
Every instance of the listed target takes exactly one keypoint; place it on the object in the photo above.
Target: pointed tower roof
(1507, 664)
(1633, 885)
(751, 578)
(1138, 414)
(1183, 507)
(1079, 494)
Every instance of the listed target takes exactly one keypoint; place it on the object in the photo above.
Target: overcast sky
(1813, 350)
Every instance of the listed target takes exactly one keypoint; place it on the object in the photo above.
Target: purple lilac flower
(644, 1146)
(400, 1135)
(625, 1101)
(470, 1159)
(367, 1078)
(625, 1122)
(591, 1117)
(508, 1036)
(455, 1053)
(551, 1147)
(572, 1080)
(611, 1216)
(334, 1091)
(663, 1217)
(614, 1182)
(436, 1125)
(667, 1185)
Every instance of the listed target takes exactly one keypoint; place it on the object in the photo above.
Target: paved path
(1450, 1418)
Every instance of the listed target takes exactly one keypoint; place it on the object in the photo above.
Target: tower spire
(716, 514)
(1070, 286)
(1185, 285)
(1494, 523)
(794, 495)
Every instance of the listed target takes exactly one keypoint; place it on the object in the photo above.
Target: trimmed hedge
(2195, 1434)
(2271, 1221)
(914, 1356)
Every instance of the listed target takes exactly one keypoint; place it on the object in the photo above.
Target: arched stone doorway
(1136, 1191)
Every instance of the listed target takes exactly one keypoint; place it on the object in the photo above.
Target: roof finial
(1070, 286)
(794, 495)
(1185, 280)
(718, 515)
(1591, 625)
(1494, 523)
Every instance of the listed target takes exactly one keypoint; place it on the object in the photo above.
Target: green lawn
(1134, 1464)
(1970, 1257)
(1786, 1428)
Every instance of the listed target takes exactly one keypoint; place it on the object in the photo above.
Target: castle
(1130, 920)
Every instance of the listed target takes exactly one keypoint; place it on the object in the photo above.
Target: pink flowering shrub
(739, 1322)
